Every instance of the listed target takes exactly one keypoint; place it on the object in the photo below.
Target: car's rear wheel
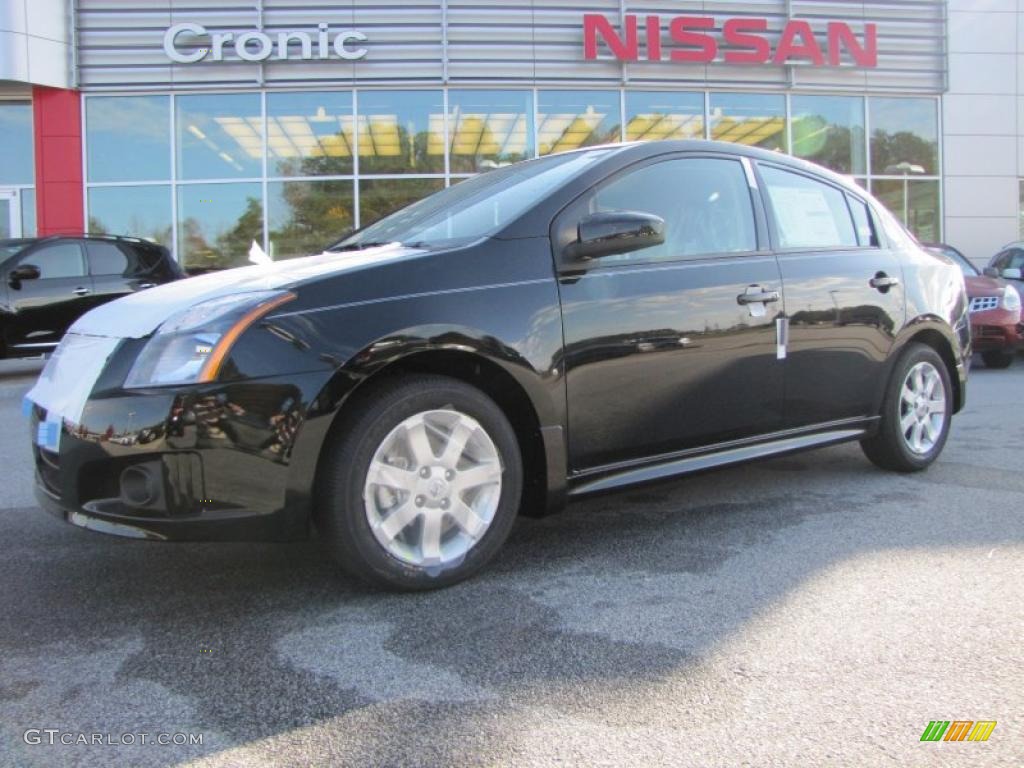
(420, 488)
(997, 359)
(916, 413)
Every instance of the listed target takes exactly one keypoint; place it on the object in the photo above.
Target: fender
(544, 388)
(931, 324)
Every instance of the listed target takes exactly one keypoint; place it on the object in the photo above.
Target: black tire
(341, 516)
(997, 359)
(888, 448)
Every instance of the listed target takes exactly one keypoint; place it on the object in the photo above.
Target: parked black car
(559, 327)
(50, 282)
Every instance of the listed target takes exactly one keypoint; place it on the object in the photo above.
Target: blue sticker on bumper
(48, 436)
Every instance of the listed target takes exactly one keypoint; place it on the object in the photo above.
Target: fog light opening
(138, 486)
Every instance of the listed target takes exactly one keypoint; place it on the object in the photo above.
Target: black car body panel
(89, 271)
(614, 373)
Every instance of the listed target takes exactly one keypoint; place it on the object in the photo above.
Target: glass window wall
(401, 132)
(218, 223)
(654, 115)
(829, 130)
(573, 119)
(128, 138)
(17, 157)
(310, 134)
(754, 119)
(489, 129)
(306, 216)
(137, 211)
(337, 160)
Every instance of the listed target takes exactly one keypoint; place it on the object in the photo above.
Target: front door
(672, 347)
(10, 214)
(46, 306)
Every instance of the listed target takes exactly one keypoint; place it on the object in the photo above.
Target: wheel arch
(541, 447)
(935, 334)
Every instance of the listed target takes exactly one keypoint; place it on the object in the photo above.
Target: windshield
(473, 208)
(11, 247)
(966, 267)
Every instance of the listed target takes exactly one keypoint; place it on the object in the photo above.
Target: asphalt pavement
(805, 611)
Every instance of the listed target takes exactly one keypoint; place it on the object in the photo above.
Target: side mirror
(613, 232)
(1012, 274)
(23, 272)
(990, 272)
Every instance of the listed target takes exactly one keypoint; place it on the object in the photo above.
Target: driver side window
(57, 260)
(705, 203)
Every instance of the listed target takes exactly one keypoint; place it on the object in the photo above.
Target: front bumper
(997, 330)
(217, 462)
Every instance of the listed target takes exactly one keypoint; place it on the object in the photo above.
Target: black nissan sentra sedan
(558, 327)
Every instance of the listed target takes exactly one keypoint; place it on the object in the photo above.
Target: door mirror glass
(613, 232)
(990, 272)
(24, 272)
(1012, 273)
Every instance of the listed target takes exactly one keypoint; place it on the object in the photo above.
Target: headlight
(190, 347)
(1011, 299)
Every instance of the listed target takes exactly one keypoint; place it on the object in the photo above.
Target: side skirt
(616, 476)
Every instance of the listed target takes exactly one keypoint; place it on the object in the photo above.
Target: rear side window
(106, 258)
(57, 260)
(808, 213)
(705, 203)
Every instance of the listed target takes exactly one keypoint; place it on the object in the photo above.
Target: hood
(139, 314)
(980, 285)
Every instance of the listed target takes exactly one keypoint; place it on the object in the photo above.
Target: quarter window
(705, 203)
(862, 221)
(808, 213)
(58, 260)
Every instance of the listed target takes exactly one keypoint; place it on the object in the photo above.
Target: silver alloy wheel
(433, 488)
(922, 408)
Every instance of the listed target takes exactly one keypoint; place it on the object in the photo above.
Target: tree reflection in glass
(218, 224)
(306, 216)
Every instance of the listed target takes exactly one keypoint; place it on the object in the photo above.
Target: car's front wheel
(916, 413)
(421, 485)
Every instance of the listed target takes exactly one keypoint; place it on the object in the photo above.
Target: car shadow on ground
(253, 642)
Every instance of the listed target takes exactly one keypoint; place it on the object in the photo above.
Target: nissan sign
(693, 39)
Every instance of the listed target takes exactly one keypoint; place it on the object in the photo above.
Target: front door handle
(80, 291)
(883, 282)
(757, 295)
(144, 286)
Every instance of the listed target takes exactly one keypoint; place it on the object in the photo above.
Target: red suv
(997, 331)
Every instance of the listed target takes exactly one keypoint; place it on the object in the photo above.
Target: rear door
(844, 296)
(664, 351)
(117, 268)
(44, 308)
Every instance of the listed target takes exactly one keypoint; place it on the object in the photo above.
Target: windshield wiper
(360, 246)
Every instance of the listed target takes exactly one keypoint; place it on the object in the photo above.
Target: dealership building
(289, 122)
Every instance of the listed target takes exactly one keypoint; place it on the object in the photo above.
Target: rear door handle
(144, 286)
(80, 291)
(757, 296)
(883, 282)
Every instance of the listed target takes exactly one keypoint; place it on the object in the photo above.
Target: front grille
(984, 303)
(993, 332)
